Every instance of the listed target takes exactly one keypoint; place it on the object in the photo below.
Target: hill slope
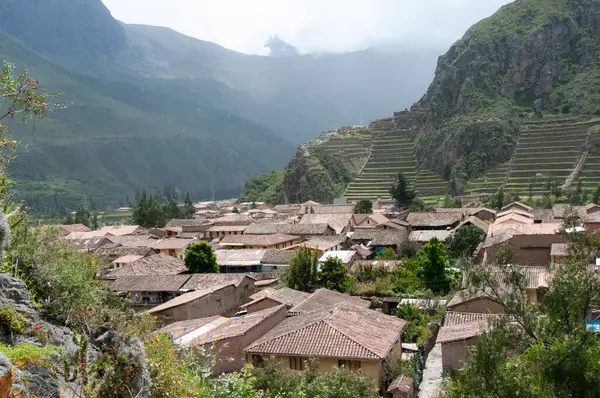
(496, 94)
(151, 106)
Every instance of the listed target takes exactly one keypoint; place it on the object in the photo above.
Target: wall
(455, 353)
(229, 353)
(479, 305)
(220, 302)
(374, 369)
(178, 253)
(244, 290)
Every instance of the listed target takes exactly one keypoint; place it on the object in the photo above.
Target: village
(247, 312)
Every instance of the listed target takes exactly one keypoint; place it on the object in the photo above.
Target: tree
(363, 206)
(432, 258)
(387, 254)
(69, 219)
(82, 216)
(450, 202)
(302, 272)
(188, 209)
(576, 197)
(498, 199)
(464, 241)
(402, 193)
(200, 258)
(333, 275)
(596, 195)
(537, 350)
(94, 222)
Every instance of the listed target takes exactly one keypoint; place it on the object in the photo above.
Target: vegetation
(302, 273)
(543, 350)
(11, 320)
(27, 354)
(200, 258)
(264, 188)
(418, 320)
(432, 259)
(464, 241)
(155, 211)
(402, 193)
(363, 206)
(386, 254)
(333, 275)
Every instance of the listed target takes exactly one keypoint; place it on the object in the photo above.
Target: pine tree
(402, 193)
(82, 216)
(363, 206)
(302, 272)
(188, 210)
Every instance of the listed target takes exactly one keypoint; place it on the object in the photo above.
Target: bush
(11, 320)
(380, 287)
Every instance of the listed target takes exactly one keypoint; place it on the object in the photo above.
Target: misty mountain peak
(280, 48)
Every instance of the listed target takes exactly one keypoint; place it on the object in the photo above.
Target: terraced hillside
(352, 145)
(392, 152)
(491, 182)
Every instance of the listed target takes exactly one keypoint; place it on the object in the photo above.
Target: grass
(27, 354)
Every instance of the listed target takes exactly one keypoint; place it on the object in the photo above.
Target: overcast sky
(312, 25)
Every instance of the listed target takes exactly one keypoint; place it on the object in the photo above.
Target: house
(224, 339)
(275, 241)
(125, 260)
(475, 222)
(196, 226)
(322, 244)
(513, 217)
(420, 238)
(381, 239)
(517, 206)
(66, 229)
(368, 220)
(287, 209)
(90, 244)
(479, 302)
(559, 253)
(133, 240)
(122, 230)
(114, 251)
(150, 289)
(158, 264)
(348, 336)
(334, 209)
(347, 257)
(434, 221)
(269, 298)
(174, 247)
(323, 299)
(339, 222)
(240, 260)
(393, 224)
(216, 300)
(459, 334)
(402, 387)
(276, 260)
(482, 213)
(304, 231)
(220, 231)
(244, 285)
(531, 244)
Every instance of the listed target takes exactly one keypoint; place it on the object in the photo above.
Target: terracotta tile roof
(233, 219)
(275, 256)
(239, 258)
(113, 252)
(396, 224)
(232, 327)
(122, 230)
(158, 264)
(227, 228)
(188, 297)
(523, 213)
(206, 281)
(464, 296)
(535, 277)
(517, 204)
(285, 295)
(290, 229)
(559, 249)
(89, 244)
(469, 211)
(346, 331)
(134, 240)
(517, 218)
(543, 215)
(525, 229)
(128, 258)
(151, 283)
(181, 328)
(176, 222)
(465, 331)
(426, 236)
(452, 318)
(472, 220)
(336, 221)
(401, 383)
(433, 219)
(171, 243)
(323, 299)
(74, 228)
(361, 251)
(376, 218)
(257, 240)
(378, 237)
(320, 243)
(334, 209)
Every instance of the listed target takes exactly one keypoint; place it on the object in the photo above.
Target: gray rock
(41, 382)
(13, 289)
(134, 350)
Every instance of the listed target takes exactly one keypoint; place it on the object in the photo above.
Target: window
(297, 363)
(353, 366)
(219, 302)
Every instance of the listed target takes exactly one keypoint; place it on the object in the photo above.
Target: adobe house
(303, 231)
(517, 206)
(340, 222)
(244, 285)
(379, 239)
(347, 257)
(457, 341)
(479, 302)
(241, 260)
(66, 229)
(269, 298)
(276, 241)
(276, 260)
(217, 300)
(434, 221)
(368, 220)
(158, 264)
(172, 246)
(482, 213)
(365, 341)
(224, 339)
(150, 289)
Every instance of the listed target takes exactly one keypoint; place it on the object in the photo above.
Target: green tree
(333, 275)
(94, 221)
(387, 254)
(498, 199)
(596, 195)
(450, 202)
(433, 258)
(302, 272)
(539, 350)
(82, 216)
(69, 219)
(363, 206)
(464, 241)
(188, 209)
(200, 258)
(402, 192)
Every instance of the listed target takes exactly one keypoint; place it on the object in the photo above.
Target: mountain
(149, 106)
(512, 104)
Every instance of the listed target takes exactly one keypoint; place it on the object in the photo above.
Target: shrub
(11, 320)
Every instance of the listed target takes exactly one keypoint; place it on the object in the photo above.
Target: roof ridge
(286, 333)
